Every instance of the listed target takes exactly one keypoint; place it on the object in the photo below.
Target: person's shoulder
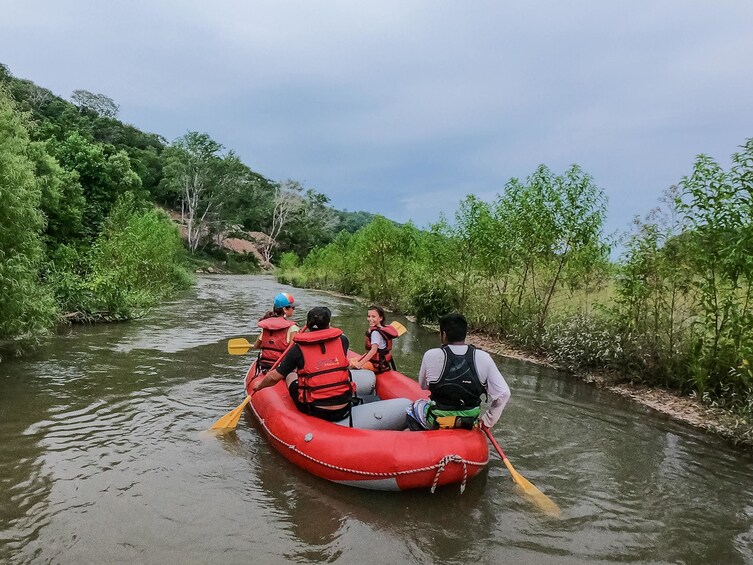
(433, 352)
(481, 354)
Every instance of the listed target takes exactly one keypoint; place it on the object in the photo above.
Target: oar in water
(230, 420)
(539, 498)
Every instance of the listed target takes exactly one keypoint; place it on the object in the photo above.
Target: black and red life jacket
(324, 379)
(382, 361)
(275, 340)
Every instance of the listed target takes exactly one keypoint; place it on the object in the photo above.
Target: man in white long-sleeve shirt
(457, 375)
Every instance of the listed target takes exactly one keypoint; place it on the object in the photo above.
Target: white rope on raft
(440, 466)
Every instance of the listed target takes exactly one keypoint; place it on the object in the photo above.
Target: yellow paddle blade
(228, 422)
(399, 327)
(544, 503)
(238, 346)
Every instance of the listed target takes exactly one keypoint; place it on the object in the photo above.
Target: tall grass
(533, 267)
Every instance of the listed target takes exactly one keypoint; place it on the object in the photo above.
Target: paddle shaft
(230, 420)
(488, 433)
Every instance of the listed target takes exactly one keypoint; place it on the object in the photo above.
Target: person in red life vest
(316, 369)
(457, 375)
(277, 331)
(379, 336)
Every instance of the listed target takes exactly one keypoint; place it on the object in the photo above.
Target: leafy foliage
(98, 103)
(26, 307)
(136, 260)
(533, 266)
(79, 223)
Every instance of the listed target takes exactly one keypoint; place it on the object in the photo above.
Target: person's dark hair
(318, 318)
(273, 312)
(380, 311)
(454, 326)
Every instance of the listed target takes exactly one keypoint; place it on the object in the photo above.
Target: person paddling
(277, 331)
(457, 375)
(317, 374)
(379, 336)
(316, 367)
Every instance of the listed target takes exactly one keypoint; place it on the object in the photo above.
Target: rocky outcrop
(248, 242)
(235, 239)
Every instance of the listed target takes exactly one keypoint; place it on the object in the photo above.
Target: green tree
(196, 169)
(26, 308)
(98, 103)
(103, 172)
(718, 209)
(551, 224)
(653, 303)
(137, 260)
(312, 223)
(62, 198)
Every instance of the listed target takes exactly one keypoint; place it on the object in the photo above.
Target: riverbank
(672, 404)
(685, 409)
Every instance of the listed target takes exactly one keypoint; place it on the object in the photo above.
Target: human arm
(292, 330)
(496, 388)
(422, 375)
(361, 361)
(431, 367)
(258, 342)
(271, 378)
(292, 361)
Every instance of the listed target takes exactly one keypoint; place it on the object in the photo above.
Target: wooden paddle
(539, 498)
(230, 420)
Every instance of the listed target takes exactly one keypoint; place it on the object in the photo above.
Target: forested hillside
(82, 232)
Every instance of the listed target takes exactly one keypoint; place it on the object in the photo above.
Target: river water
(105, 458)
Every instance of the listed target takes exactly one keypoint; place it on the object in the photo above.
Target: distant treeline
(81, 236)
(533, 266)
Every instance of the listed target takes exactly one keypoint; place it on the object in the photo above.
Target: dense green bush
(289, 261)
(137, 260)
(431, 300)
(532, 266)
(26, 307)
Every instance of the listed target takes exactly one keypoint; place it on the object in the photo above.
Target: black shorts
(329, 415)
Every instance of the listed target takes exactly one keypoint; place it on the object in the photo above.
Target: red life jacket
(324, 379)
(274, 340)
(382, 361)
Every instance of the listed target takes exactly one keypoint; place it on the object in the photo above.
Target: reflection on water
(104, 458)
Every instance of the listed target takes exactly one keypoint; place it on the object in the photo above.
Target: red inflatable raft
(371, 459)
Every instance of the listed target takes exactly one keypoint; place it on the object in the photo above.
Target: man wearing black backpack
(457, 375)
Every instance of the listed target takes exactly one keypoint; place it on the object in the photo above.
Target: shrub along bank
(533, 268)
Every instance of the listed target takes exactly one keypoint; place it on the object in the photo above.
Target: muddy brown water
(104, 458)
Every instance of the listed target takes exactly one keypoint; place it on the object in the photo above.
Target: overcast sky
(403, 107)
